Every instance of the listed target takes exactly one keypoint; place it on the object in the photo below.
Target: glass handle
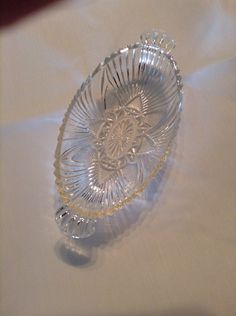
(74, 226)
(160, 39)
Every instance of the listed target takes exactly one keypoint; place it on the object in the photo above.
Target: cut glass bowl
(116, 132)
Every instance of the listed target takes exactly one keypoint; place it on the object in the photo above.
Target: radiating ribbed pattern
(117, 130)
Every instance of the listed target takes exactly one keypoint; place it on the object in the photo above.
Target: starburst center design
(121, 135)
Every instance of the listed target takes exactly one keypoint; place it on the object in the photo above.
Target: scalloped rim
(91, 214)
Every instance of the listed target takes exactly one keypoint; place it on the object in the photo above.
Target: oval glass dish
(117, 132)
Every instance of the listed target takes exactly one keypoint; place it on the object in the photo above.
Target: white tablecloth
(173, 251)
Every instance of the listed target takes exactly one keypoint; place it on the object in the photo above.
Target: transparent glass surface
(118, 128)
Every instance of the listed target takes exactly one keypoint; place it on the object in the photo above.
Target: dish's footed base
(73, 225)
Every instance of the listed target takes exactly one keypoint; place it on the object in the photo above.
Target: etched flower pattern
(121, 135)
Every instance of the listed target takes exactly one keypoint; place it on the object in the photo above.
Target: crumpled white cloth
(178, 259)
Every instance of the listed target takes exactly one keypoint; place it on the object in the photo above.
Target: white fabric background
(173, 251)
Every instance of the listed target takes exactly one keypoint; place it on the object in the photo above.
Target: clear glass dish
(117, 132)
